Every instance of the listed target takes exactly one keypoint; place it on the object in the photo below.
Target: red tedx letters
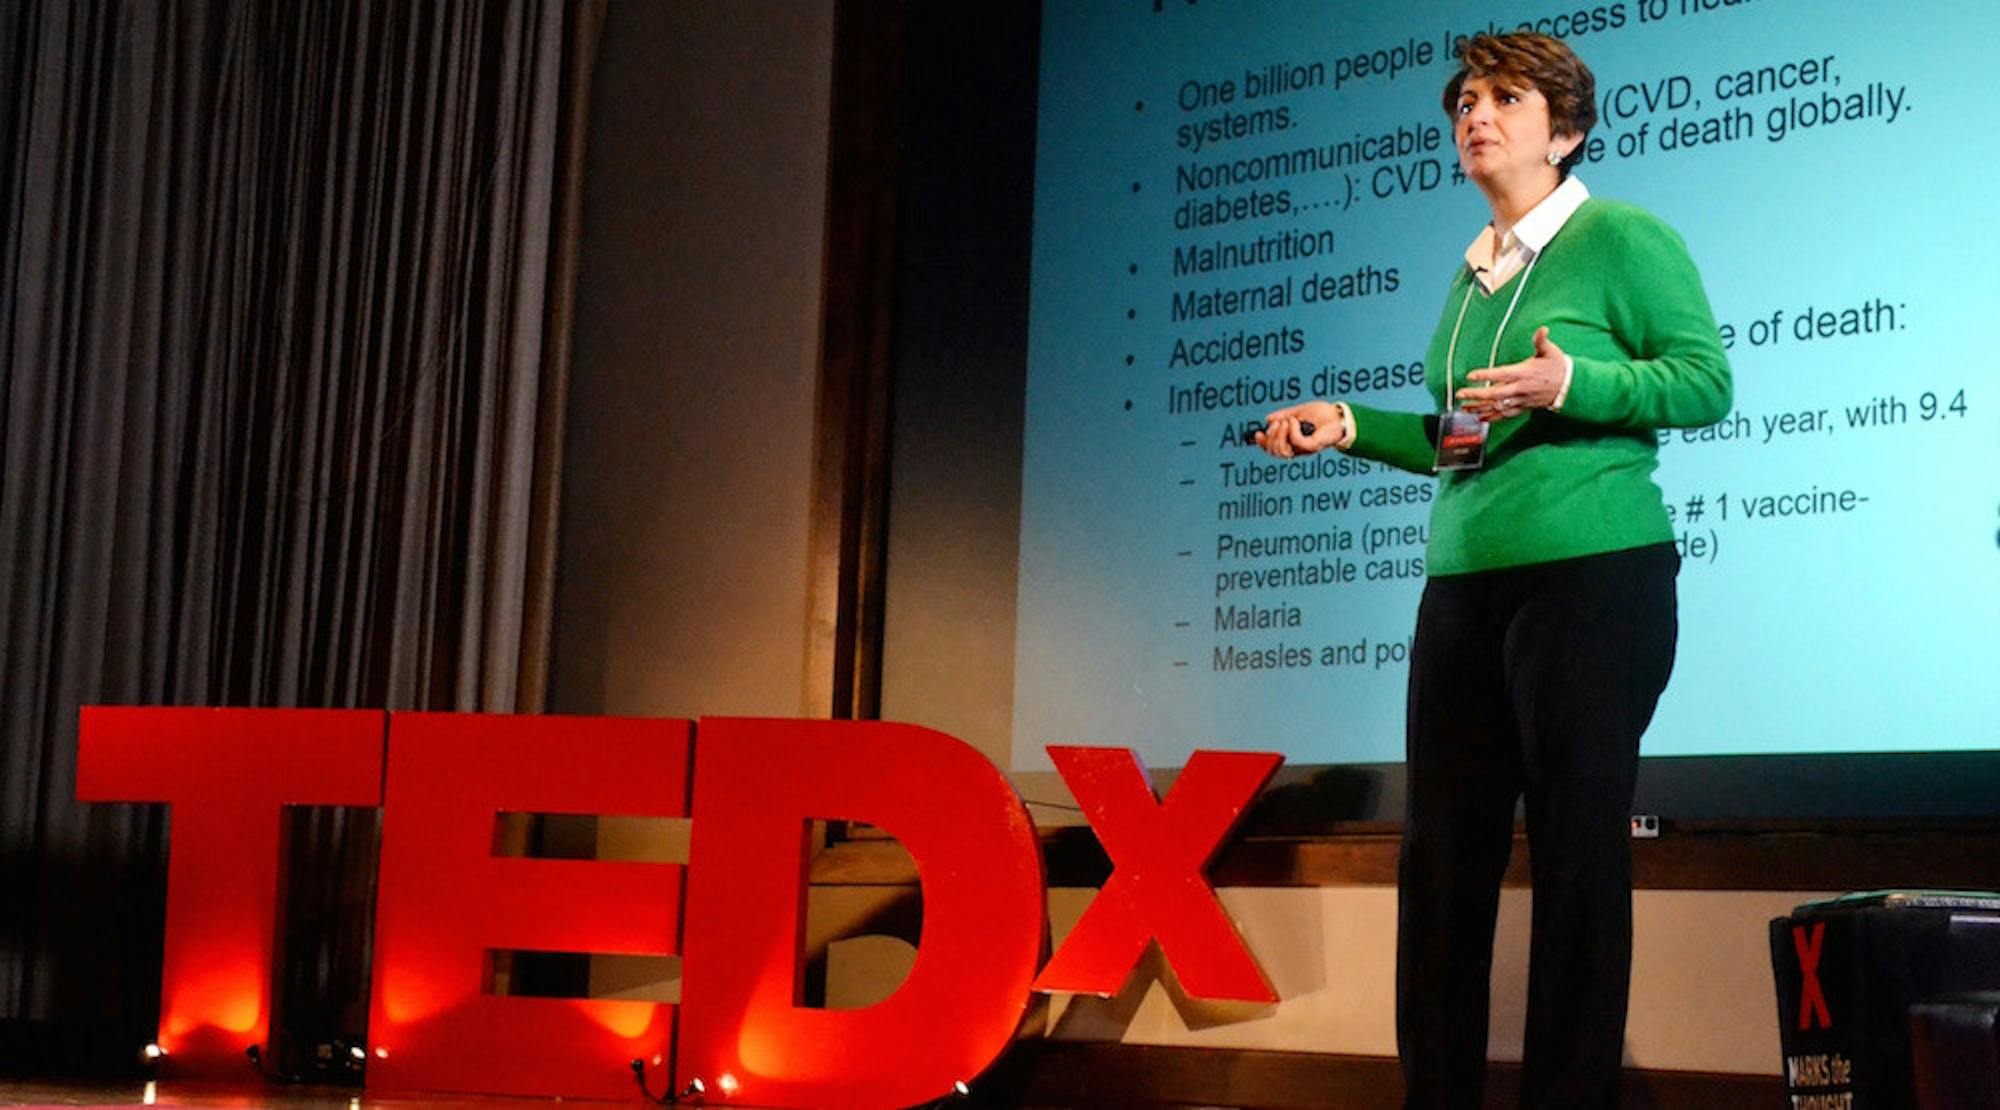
(446, 902)
(1158, 852)
(225, 774)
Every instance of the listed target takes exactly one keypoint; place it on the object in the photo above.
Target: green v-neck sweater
(1620, 295)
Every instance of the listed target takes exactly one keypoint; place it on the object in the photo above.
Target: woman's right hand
(1284, 436)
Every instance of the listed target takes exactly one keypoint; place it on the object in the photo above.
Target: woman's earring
(1555, 158)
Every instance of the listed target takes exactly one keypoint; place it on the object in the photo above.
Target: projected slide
(1242, 204)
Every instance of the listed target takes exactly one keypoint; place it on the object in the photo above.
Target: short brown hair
(1544, 62)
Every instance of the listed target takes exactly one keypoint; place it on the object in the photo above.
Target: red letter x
(1158, 852)
(1812, 1000)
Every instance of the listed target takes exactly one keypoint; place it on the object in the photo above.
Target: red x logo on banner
(1157, 890)
(1812, 999)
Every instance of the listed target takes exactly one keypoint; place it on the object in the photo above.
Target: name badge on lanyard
(1461, 441)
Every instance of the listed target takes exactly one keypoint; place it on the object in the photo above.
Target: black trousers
(1534, 681)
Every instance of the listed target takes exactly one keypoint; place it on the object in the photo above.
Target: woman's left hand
(1506, 391)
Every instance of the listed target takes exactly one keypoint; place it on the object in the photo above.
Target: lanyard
(1493, 356)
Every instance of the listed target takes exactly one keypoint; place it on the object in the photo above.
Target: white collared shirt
(1493, 263)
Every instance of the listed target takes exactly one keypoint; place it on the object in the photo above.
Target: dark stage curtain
(282, 350)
